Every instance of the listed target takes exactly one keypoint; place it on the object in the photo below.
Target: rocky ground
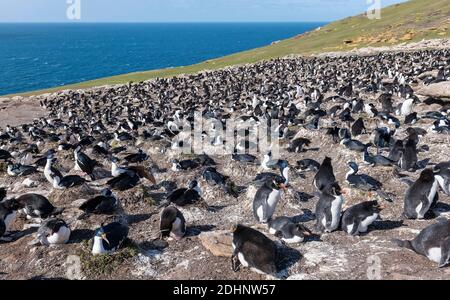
(204, 253)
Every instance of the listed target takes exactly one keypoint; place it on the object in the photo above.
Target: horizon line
(160, 22)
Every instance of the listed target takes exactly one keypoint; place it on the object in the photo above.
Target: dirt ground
(332, 256)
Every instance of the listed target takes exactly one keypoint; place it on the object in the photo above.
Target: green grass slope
(406, 22)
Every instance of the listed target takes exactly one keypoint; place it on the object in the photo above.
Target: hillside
(407, 22)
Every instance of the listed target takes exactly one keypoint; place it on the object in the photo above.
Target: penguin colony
(107, 144)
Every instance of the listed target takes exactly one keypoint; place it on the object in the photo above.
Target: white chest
(177, 228)
(272, 202)
(366, 222)
(60, 237)
(98, 246)
(435, 254)
(9, 219)
(433, 191)
(336, 207)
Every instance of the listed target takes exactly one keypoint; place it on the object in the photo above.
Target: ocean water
(38, 56)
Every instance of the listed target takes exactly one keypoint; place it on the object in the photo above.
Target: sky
(182, 10)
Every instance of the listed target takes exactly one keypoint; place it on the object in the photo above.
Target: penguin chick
(253, 250)
(53, 232)
(357, 218)
(328, 208)
(172, 223)
(432, 242)
(288, 231)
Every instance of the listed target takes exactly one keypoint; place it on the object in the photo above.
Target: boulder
(438, 90)
(219, 243)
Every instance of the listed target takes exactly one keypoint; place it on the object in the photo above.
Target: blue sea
(38, 56)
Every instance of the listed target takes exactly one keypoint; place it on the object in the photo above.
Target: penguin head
(334, 189)
(11, 204)
(101, 234)
(427, 175)
(301, 231)
(283, 164)
(106, 192)
(278, 183)
(377, 207)
(193, 184)
(353, 166)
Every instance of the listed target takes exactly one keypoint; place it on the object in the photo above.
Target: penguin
(37, 206)
(357, 218)
(2, 193)
(364, 182)
(5, 155)
(324, 175)
(411, 118)
(186, 196)
(68, 181)
(377, 160)
(100, 149)
(52, 232)
(406, 107)
(382, 137)
(244, 158)
(370, 110)
(266, 199)
(123, 136)
(105, 203)
(308, 165)
(432, 242)
(51, 172)
(130, 171)
(84, 163)
(124, 181)
(441, 127)
(355, 145)
(136, 157)
(421, 195)
(18, 170)
(284, 172)
(213, 177)
(253, 250)
(298, 145)
(328, 208)
(172, 223)
(358, 127)
(288, 231)
(442, 175)
(188, 164)
(8, 213)
(396, 151)
(408, 158)
(109, 238)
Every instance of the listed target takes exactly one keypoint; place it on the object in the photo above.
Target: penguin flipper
(445, 250)
(403, 244)
(384, 195)
(355, 227)
(407, 181)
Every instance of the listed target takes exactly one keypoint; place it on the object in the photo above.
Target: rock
(398, 276)
(219, 243)
(439, 90)
(301, 276)
(29, 183)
